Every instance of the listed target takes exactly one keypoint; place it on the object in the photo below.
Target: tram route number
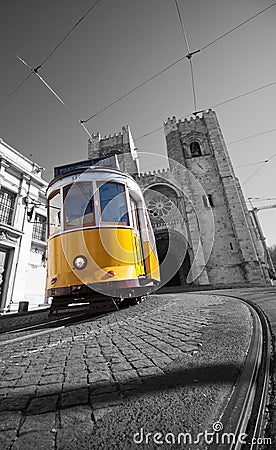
(75, 177)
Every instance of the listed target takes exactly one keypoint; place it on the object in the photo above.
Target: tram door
(138, 251)
(4, 258)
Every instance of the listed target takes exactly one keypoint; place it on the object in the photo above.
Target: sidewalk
(167, 365)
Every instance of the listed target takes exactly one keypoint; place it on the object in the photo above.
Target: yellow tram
(101, 247)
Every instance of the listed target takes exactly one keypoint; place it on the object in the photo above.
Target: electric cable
(189, 55)
(133, 90)
(243, 95)
(35, 71)
(259, 168)
(214, 106)
(51, 52)
(251, 136)
(252, 164)
(14, 90)
(70, 32)
(144, 82)
(238, 26)
(260, 199)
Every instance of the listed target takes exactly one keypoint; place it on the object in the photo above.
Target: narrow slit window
(205, 201)
(211, 200)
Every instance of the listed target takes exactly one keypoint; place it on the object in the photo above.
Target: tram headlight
(80, 262)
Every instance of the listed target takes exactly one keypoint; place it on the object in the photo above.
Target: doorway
(4, 267)
(173, 258)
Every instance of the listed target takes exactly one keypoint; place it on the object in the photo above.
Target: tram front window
(78, 205)
(54, 208)
(113, 203)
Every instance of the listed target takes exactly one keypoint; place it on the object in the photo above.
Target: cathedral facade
(204, 233)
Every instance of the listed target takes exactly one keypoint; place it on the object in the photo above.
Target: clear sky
(119, 45)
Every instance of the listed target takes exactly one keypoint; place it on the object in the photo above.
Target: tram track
(245, 419)
(19, 334)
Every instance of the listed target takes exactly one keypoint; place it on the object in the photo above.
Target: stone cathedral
(205, 235)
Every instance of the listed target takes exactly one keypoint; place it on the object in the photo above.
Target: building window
(195, 149)
(39, 229)
(7, 202)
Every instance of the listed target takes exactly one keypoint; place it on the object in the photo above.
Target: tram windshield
(113, 205)
(54, 208)
(78, 205)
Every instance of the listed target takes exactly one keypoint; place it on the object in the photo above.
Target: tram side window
(54, 213)
(134, 212)
(113, 203)
(78, 205)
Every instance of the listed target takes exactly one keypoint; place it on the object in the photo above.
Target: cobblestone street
(68, 388)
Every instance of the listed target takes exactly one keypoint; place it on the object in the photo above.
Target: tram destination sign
(109, 161)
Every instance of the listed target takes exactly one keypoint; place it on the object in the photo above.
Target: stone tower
(198, 146)
(204, 233)
(120, 144)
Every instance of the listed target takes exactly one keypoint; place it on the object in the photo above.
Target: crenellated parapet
(193, 122)
(120, 144)
(154, 172)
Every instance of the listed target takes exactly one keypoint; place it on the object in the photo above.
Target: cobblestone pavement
(74, 377)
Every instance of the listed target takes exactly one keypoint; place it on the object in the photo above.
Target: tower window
(208, 201)
(195, 149)
(205, 201)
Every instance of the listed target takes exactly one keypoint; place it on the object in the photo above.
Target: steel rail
(245, 414)
(59, 324)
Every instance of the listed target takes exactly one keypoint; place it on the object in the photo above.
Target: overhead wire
(260, 199)
(252, 164)
(189, 55)
(259, 168)
(50, 53)
(251, 136)
(242, 95)
(133, 90)
(219, 104)
(14, 90)
(35, 71)
(238, 26)
(147, 80)
(70, 31)
(82, 122)
(254, 173)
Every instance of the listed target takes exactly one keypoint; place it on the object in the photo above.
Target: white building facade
(22, 231)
